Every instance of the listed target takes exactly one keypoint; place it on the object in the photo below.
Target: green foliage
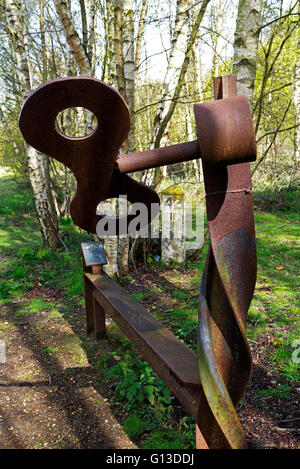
(276, 198)
(149, 260)
(42, 253)
(128, 278)
(49, 351)
(6, 289)
(165, 440)
(180, 295)
(27, 253)
(135, 425)
(138, 296)
(12, 201)
(11, 287)
(138, 385)
(275, 299)
(281, 392)
(34, 305)
(282, 357)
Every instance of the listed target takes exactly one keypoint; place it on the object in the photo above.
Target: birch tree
(76, 46)
(125, 66)
(37, 166)
(296, 93)
(175, 62)
(183, 40)
(246, 44)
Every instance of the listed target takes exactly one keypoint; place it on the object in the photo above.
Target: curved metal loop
(92, 159)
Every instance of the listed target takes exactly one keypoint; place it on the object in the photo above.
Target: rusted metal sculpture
(210, 385)
(225, 296)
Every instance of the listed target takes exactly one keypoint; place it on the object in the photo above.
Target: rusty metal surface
(226, 291)
(225, 136)
(159, 157)
(225, 131)
(92, 158)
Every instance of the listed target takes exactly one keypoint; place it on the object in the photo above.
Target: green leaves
(138, 385)
(42, 253)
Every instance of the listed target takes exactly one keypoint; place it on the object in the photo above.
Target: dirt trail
(48, 397)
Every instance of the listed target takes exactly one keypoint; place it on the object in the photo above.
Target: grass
(282, 392)
(275, 306)
(26, 265)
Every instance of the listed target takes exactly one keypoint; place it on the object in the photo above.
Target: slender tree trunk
(37, 167)
(129, 66)
(125, 65)
(79, 49)
(246, 44)
(76, 46)
(109, 74)
(296, 96)
(118, 44)
(190, 136)
(216, 22)
(91, 30)
(176, 58)
(141, 28)
(181, 50)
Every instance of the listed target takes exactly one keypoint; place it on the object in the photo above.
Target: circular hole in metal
(76, 122)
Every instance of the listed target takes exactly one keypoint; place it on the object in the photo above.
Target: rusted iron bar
(158, 157)
(225, 136)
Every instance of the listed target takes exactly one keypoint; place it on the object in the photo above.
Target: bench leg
(89, 306)
(99, 320)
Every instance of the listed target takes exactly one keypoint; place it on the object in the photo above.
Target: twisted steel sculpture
(226, 291)
(226, 144)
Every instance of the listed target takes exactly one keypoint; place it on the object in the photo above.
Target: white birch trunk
(170, 96)
(191, 136)
(246, 44)
(36, 162)
(141, 28)
(129, 65)
(128, 62)
(175, 62)
(118, 44)
(296, 93)
(109, 74)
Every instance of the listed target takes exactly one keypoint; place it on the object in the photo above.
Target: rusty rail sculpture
(210, 384)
